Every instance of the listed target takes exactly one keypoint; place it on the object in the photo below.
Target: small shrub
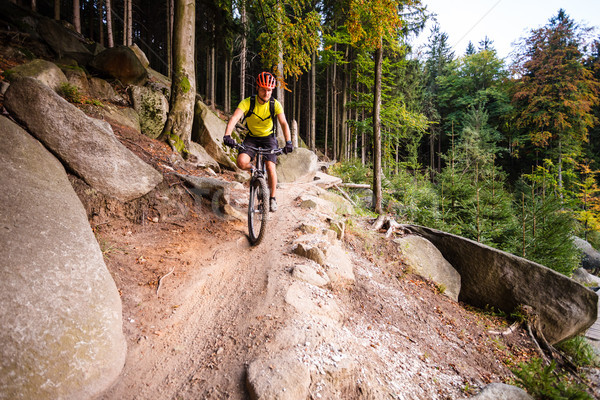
(544, 382)
(70, 92)
(580, 351)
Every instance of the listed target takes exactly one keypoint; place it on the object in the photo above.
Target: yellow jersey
(259, 123)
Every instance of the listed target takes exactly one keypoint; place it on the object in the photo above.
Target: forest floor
(200, 303)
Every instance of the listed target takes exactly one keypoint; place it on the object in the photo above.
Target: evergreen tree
(555, 93)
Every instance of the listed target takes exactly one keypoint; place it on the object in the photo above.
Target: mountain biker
(260, 112)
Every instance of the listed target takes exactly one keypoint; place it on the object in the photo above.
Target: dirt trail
(213, 317)
(221, 304)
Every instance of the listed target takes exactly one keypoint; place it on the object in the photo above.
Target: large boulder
(425, 259)
(490, 277)
(590, 257)
(65, 42)
(208, 131)
(61, 335)
(152, 107)
(298, 166)
(44, 71)
(121, 63)
(100, 89)
(87, 145)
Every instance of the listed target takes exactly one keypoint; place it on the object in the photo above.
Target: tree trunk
(343, 130)
(178, 129)
(101, 22)
(327, 85)
(213, 73)
(169, 38)
(130, 22)
(33, 6)
(76, 16)
(313, 103)
(244, 50)
(109, 30)
(125, 9)
(377, 194)
(334, 107)
(57, 10)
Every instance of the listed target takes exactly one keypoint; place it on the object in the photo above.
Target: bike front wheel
(258, 210)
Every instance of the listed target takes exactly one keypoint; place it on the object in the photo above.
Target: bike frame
(258, 204)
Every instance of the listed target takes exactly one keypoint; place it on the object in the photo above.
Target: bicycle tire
(258, 210)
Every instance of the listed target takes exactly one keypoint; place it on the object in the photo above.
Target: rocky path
(233, 321)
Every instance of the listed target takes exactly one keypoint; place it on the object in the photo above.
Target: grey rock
(152, 107)
(305, 300)
(501, 391)
(426, 260)
(121, 63)
(339, 266)
(312, 253)
(585, 278)
(101, 89)
(591, 257)
(310, 275)
(44, 71)
(208, 131)
(140, 55)
(279, 378)
(78, 78)
(115, 115)
(491, 277)
(87, 145)
(298, 166)
(64, 42)
(61, 318)
(203, 158)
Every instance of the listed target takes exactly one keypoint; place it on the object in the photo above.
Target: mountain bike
(258, 204)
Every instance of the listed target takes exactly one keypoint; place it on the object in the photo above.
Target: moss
(10, 75)
(177, 144)
(185, 84)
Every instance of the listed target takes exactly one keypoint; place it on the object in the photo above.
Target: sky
(503, 21)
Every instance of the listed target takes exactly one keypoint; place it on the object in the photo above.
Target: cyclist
(260, 112)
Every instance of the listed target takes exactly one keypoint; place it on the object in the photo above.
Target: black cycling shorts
(266, 142)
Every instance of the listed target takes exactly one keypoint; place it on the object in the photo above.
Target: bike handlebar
(240, 146)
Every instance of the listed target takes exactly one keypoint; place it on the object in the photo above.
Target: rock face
(88, 146)
(496, 278)
(427, 261)
(152, 107)
(44, 71)
(298, 166)
(591, 257)
(208, 131)
(61, 335)
(121, 63)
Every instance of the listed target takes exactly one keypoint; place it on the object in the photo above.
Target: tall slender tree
(178, 128)
(370, 23)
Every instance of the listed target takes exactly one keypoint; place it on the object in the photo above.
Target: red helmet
(266, 80)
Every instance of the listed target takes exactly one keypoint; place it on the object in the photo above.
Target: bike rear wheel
(258, 209)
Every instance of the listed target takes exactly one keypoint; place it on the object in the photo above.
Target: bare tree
(57, 10)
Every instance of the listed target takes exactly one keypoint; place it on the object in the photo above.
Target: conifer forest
(502, 151)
